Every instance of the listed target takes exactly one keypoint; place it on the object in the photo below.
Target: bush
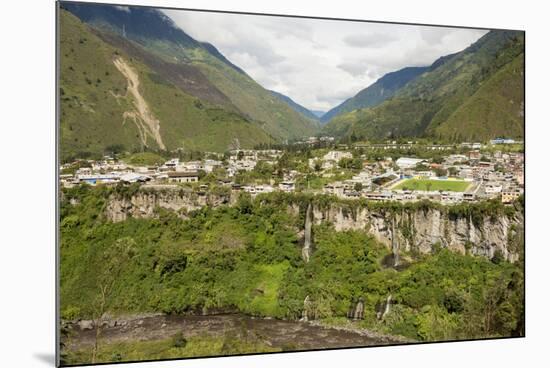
(178, 341)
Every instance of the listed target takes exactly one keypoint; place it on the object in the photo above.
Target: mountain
(157, 34)
(318, 113)
(115, 93)
(377, 92)
(295, 106)
(476, 94)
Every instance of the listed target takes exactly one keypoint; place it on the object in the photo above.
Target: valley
(202, 212)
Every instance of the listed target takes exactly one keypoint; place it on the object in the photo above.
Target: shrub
(178, 341)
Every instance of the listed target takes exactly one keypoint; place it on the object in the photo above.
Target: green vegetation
(476, 94)
(248, 258)
(222, 103)
(376, 93)
(94, 99)
(145, 159)
(196, 346)
(433, 185)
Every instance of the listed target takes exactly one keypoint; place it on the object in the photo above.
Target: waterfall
(359, 311)
(305, 310)
(385, 308)
(394, 244)
(306, 250)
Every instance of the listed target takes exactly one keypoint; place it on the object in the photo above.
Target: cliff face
(407, 230)
(420, 230)
(144, 203)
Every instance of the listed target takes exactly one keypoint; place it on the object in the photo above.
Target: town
(383, 171)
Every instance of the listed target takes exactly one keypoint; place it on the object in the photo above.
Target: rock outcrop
(144, 203)
(407, 230)
(421, 229)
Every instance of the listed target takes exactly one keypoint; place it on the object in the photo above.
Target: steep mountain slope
(449, 100)
(158, 34)
(377, 92)
(318, 113)
(110, 97)
(295, 106)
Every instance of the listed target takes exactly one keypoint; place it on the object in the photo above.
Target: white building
(287, 186)
(210, 165)
(408, 162)
(364, 178)
(493, 188)
(337, 155)
(183, 177)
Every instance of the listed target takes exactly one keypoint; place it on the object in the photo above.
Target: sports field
(431, 185)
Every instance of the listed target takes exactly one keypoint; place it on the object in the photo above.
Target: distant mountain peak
(376, 93)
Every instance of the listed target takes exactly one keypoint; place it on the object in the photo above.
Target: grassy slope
(430, 100)
(281, 121)
(91, 118)
(496, 109)
(278, 119)
(376, 93)
(295, 106)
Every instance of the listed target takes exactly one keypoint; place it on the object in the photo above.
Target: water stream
(306, 250)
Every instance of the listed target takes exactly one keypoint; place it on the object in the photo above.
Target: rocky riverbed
(272, 332)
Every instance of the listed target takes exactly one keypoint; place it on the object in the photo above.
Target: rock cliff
(414, 230)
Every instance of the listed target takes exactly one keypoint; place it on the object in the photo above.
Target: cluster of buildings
(488, 174)
(110, 171)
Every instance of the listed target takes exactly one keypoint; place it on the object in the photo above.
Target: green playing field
(431, 185)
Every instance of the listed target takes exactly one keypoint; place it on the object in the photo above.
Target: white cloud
(123, 8)
(369, 39)
(320, 63)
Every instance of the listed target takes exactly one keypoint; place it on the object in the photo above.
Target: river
(274, 333)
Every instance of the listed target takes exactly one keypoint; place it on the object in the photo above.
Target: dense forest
(247, 258)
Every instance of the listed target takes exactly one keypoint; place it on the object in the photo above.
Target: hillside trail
(142, 116)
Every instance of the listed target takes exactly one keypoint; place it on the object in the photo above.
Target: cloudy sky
(320, 63)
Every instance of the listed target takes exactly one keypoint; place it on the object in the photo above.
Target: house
(193, 166)
(426, 174)
(287, 186)
(183, 176)
(364, 178)
(519, 177)
(466, 173)
(337, 155)
(509, 196)
(210, 165)
(453, 159)
(493, 188)
(94, 179)
(134, 178)
(84, 171)
(474, 155)
(502, 141)
(378, 196)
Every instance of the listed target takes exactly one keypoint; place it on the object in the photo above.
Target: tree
(358, 187)
(453, 171)
(440, 172)
(115, 149)
(240, 155)
(114, 260)
(428, 186)
(317, 166)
